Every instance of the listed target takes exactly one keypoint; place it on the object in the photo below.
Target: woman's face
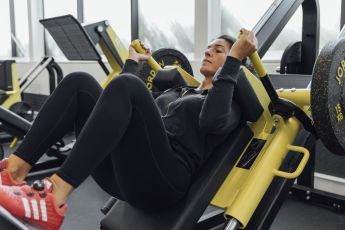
(214, 57)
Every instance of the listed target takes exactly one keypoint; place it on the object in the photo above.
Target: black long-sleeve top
(197, 121)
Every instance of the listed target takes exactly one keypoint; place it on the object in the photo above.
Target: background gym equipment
(12, 93)
(12, 90)
(78, 43)
(290, 62)
(14, 125)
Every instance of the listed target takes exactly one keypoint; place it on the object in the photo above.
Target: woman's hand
(138, 57)
(244, 46)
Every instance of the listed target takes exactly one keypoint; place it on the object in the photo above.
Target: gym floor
(85, 204)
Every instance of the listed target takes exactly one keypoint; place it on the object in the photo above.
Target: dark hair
(231, 40)
(228, 38)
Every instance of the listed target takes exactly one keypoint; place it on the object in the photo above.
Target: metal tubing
(233, 224)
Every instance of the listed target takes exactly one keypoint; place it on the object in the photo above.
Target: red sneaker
(5, 177)
(34, 205)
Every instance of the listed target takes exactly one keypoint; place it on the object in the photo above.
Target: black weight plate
(165, 56)
(327, 94)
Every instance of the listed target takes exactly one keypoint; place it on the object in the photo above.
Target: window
(292, 32)
(245, 13)
(329, 20)
(5, 30)
(167, 24)
(59, 8)
(54, 9)
(117, 12)
(22, 27)
(237, 14)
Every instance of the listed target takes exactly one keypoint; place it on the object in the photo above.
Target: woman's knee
(125, 82)
(78, 77)
(79, 80)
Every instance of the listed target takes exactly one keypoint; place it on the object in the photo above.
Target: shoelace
(38, 185)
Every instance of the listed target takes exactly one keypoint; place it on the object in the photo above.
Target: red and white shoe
(33, 204)
(5, 177)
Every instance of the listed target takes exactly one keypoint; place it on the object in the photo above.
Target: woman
(138, 149)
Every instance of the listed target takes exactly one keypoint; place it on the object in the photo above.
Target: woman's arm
(219, 114)
(131, 64)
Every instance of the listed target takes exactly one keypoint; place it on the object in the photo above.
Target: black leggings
(121, 140)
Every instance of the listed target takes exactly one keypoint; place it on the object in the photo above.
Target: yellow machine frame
(243, 189)
(123, 53)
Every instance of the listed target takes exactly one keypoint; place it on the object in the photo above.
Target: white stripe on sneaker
(35, 209)
(26, 207)
(0, 180)
(43, 210)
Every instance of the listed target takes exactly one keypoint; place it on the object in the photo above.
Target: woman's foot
(6, 177)
(34, 204)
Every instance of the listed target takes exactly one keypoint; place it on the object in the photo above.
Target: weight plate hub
(328, 94)
(163, 57)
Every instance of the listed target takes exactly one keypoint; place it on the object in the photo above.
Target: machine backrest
(187, 212)
(245, 96)
(168, 78)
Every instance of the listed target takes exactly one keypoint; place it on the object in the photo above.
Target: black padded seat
(187, 212)
(168, 79)
(13, 123)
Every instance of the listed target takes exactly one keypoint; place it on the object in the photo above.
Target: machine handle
(153, 64)
(300, 167)
(257, 64)
(3, 92)
(14, 143)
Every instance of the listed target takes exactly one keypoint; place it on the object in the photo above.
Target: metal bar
(268, 30)
(233, 224)
(58, 70)
(134, 19)
(13, 27)
(307, 176)
(80, 11)
(30, 72)
(43, 65)
(310, 35)
(103, 66)
(52, 77)
(342, 16)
